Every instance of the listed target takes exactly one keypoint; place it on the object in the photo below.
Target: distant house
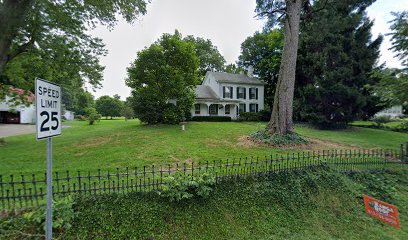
(227, 94)
(393, 112)
(19, 113)
(68, 115)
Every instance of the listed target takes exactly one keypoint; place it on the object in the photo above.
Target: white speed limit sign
(48, 108)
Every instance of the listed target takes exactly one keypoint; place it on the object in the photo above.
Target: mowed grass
(112, 144)
(394, 123)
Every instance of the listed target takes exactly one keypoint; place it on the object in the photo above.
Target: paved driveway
(15, 129)
(7, 130)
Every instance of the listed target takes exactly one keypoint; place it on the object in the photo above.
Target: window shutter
(244, 106)
(256, 110)
(256, 94)
(237, 92)
(223, 92)
(244, 93)
(232, 92)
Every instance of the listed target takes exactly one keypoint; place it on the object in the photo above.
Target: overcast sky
(227, 23)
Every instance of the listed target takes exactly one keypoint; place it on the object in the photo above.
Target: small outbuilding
(20, 113)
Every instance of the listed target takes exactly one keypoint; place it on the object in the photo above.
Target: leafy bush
(265, 115)
(381, 120)
(211, 119)
(278, 139)
(250, 116)
(80, 117)
(171, 114)
(92, 115)
(2, 141)
(32, 223)
(402, 127)
(63, 214)
(180, 186)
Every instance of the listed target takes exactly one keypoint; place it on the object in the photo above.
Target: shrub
(63, 214)
(250, 116)
(180, 186)
(402, 127)
(278, 139)
(211, 119)
(380, 120)
(92, 115)
(80, 117)
(171, 114)
(2, 141)
(265, 115)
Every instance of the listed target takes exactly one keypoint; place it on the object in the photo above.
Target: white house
(9, 113)
(393, 112)
(227, 94)
(69, 115)
(17, 114)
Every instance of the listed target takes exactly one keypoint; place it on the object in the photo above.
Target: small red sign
(383, 211)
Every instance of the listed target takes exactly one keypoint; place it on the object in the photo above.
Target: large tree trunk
(12, 16)
(281, 119)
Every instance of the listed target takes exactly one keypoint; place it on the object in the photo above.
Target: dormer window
(227, 92)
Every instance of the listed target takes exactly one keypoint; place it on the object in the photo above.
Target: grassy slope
(318, 205)
(357, 136)
(116, 143)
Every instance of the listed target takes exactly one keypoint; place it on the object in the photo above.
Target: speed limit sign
(48, 108)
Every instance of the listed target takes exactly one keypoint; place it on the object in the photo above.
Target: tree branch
(310, 11)
(272, 12)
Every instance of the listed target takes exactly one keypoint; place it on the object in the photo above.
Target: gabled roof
(223, 77)
(205, 92)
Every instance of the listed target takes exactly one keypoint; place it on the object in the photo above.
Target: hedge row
(211, 119)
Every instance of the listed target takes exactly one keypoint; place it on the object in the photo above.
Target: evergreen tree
(336, 58)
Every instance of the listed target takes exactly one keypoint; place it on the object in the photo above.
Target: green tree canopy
(336, 58)
(109, 106)
(233, 68)
(392, 86)
(165, 72)
(399, 36)
(263, 51)
(210, 57)
(50, 39)
(83, 100)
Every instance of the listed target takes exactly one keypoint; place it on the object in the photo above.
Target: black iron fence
(19, 192)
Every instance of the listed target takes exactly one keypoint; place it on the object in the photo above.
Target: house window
(227, 109)
(213, 109)
(242, 107)
(227, 92)
(197, 108)
(241, 93)
(253, 93)
(253, 107)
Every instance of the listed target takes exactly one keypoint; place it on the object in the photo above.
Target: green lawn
(369, 123)
(116, 143)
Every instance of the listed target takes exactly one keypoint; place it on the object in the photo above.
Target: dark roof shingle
(235, 78)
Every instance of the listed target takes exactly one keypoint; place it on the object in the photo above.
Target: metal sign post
(49, 189)
(48, 112)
